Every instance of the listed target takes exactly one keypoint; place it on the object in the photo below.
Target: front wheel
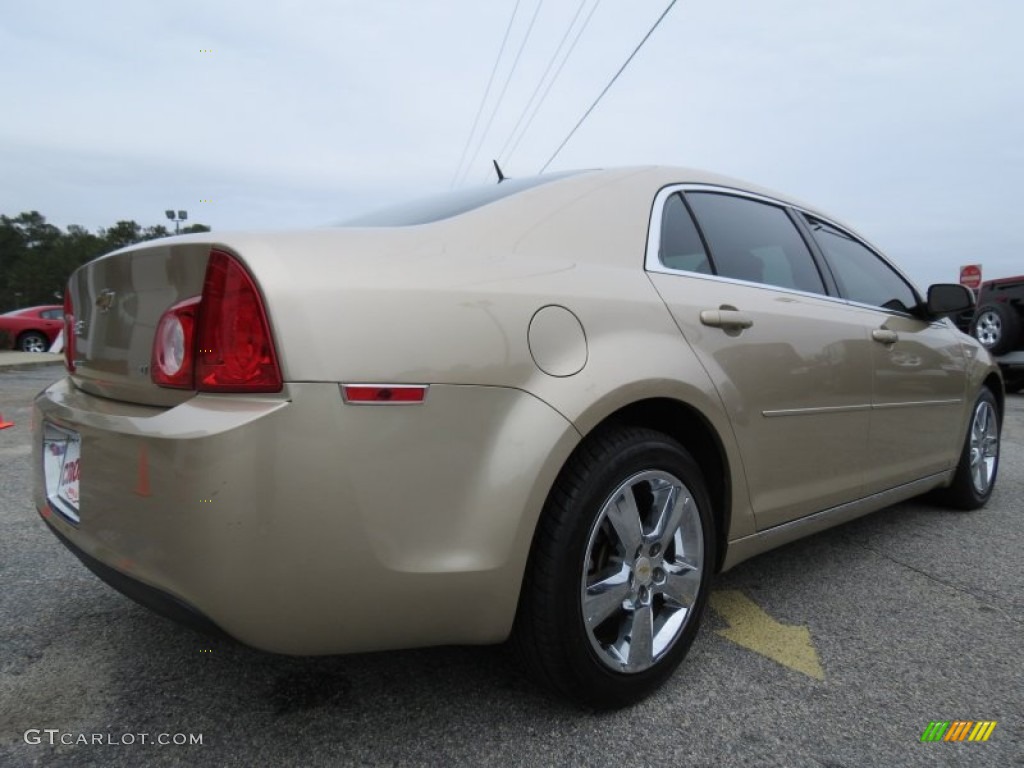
(618, 577)
(976, 471)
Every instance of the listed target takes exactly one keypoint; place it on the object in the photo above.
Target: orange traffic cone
(5, 424)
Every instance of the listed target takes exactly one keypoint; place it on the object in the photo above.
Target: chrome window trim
(653, 264)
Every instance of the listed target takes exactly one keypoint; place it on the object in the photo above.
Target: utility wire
(504, 88)
(551, 83)
(551, 63)
(487, 92)
(610, 83)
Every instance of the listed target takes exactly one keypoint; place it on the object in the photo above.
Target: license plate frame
(62, 466)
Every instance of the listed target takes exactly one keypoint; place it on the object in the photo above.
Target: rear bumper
(1012, 359)
(299, 524)
(156, 600)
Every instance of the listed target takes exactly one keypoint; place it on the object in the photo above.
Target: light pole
(182, 216)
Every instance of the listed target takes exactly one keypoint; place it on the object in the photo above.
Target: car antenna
(501, 176)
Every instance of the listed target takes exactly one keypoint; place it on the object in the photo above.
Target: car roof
(453, 203)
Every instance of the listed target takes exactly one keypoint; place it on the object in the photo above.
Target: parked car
(32, 329)
(999, 326)
(549, 409)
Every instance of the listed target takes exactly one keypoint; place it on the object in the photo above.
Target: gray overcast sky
(901, 117)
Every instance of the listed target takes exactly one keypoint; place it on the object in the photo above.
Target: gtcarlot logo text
(55, 736)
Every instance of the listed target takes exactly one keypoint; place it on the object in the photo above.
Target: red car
(32, 329)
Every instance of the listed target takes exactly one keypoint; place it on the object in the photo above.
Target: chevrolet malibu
(547, 410)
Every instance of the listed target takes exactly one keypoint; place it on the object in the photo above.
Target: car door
(919, 378)
(791, 364)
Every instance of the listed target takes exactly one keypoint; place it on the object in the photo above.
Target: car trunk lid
(117, 301)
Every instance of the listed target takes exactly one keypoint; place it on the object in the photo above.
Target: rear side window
(755, 241)
(681, 247)
(52, 314)
(861, 275)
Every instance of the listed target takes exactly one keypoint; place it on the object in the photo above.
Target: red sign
(970, 276)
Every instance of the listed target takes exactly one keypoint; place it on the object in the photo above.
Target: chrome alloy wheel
(988, 328)
(642, 571)
(33, 343)
(984, 446)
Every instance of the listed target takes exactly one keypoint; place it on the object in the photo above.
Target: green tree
(27, 259)
(121, 234)
(36, 258)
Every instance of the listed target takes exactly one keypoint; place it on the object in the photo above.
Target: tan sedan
(549, 409)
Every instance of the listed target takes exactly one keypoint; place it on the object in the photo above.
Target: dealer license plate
(62, 450)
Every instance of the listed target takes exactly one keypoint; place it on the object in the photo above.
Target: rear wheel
(32, 341)
(997, 327)
(618, 577)
(979, 461)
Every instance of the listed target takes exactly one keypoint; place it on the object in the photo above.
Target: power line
(504, 88)
(610, 83)
(543, 77)
(487, 92)
(551, 83)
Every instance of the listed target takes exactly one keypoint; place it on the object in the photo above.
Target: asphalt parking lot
(838, 650)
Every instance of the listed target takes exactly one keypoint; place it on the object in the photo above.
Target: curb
(20, 361)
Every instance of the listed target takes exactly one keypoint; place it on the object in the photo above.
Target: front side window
(861, 275)
(755, 241)
(52, 314)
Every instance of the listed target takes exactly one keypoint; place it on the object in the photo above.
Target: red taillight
(235, 352)
(174, 346)
(69, 331)
(220, 341)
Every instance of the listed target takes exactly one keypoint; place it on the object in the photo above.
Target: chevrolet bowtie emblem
(105, 300)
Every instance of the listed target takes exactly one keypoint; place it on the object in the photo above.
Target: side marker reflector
(383, 394)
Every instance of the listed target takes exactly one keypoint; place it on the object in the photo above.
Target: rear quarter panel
(451, 303)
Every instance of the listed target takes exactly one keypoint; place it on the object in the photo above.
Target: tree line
(36, 258)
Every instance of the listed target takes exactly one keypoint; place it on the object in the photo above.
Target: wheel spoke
(670, 503)
(605, 597)
(980, 477)
(693, 538)
(641, 638)
(625, 519)
(681, 584)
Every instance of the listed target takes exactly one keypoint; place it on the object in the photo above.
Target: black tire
(576, 544)
(33, 341)
(997, 327)
(973, 483)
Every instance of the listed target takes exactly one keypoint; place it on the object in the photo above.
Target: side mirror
(948, 299)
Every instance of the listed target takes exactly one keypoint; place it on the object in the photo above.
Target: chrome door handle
(730, 319)
(885, 336)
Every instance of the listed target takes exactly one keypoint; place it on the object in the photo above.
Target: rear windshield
(449, 204)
